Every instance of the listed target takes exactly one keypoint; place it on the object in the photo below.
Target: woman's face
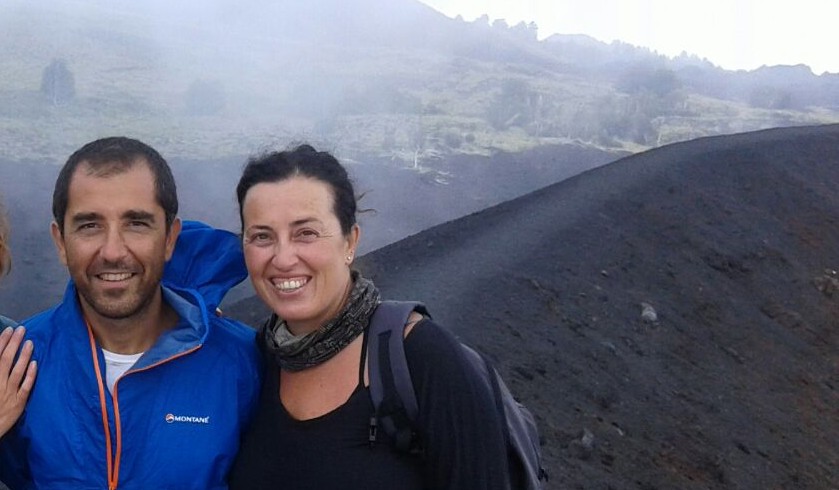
(297, 257)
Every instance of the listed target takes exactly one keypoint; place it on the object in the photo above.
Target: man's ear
(172, 237)
(58, 240)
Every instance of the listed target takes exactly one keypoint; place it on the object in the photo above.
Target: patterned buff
(295, 353)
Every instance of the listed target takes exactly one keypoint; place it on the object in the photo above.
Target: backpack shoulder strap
(391, 388)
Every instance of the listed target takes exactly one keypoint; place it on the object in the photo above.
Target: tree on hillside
(500, 24)
(509, 106)
(777, 98)
(525, 31)
(482, 20)
(518, 104)
(644, 79)
(418, 137)
(58, 83)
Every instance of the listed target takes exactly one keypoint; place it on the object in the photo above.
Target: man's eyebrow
(82, 217)
(137, 215)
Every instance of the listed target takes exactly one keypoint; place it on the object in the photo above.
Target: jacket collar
(189, 333)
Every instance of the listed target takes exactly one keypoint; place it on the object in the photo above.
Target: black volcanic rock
(731, 241)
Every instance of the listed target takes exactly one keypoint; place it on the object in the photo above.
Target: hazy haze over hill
(746, 34)
(381, 83)
(388, 78)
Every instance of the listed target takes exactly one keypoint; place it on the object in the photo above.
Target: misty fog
(365, 77)
(428, 112)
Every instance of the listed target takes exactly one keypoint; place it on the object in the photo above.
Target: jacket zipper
(113, 457)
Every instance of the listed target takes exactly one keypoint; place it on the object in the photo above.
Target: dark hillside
(670, 317)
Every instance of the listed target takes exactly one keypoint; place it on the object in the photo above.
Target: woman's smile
(290, 285)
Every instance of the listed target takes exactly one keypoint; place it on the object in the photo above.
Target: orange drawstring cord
(113, 473)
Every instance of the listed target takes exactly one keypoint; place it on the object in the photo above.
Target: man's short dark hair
(111, 155)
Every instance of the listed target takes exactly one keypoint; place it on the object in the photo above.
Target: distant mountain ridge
(387, 77)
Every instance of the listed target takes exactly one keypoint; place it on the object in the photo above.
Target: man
(140, 384)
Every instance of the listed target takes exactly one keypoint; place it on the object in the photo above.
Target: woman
(16, 376)
(298, 213)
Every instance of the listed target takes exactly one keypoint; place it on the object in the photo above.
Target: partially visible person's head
(114, 155)
(299, 234)
(303, 161)
(5, 256)
(114, 226)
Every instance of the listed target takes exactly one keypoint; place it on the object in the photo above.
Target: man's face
(115, 243)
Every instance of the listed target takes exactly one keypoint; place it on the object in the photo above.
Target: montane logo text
(172, 418)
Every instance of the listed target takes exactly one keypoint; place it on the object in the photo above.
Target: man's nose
(114, 247)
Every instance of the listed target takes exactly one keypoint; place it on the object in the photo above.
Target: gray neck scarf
(297, 352)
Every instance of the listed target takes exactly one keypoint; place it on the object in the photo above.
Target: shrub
(58, 83)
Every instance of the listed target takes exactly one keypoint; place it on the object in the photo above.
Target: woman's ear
(352, 242)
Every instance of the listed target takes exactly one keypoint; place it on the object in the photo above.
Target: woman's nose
(285, 255)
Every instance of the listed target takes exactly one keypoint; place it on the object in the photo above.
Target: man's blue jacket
(173, 420)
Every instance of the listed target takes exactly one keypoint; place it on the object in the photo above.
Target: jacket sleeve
(251, 368)
(459, 426)
(13, 465)
(206, 259)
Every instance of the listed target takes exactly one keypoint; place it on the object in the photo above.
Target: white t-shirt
(116, 365)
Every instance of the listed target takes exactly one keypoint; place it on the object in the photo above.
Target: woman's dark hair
(303, 161)
(5, 256)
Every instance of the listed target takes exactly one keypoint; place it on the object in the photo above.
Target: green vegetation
(202, 92)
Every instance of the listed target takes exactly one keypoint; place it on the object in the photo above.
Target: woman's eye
(260, 239)
(308, 234)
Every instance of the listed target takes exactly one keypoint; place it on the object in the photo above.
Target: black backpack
(395, 402)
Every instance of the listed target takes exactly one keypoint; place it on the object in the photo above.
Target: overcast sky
(733, 34)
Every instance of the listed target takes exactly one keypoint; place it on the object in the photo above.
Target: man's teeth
(289, 284)
(121, 276)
